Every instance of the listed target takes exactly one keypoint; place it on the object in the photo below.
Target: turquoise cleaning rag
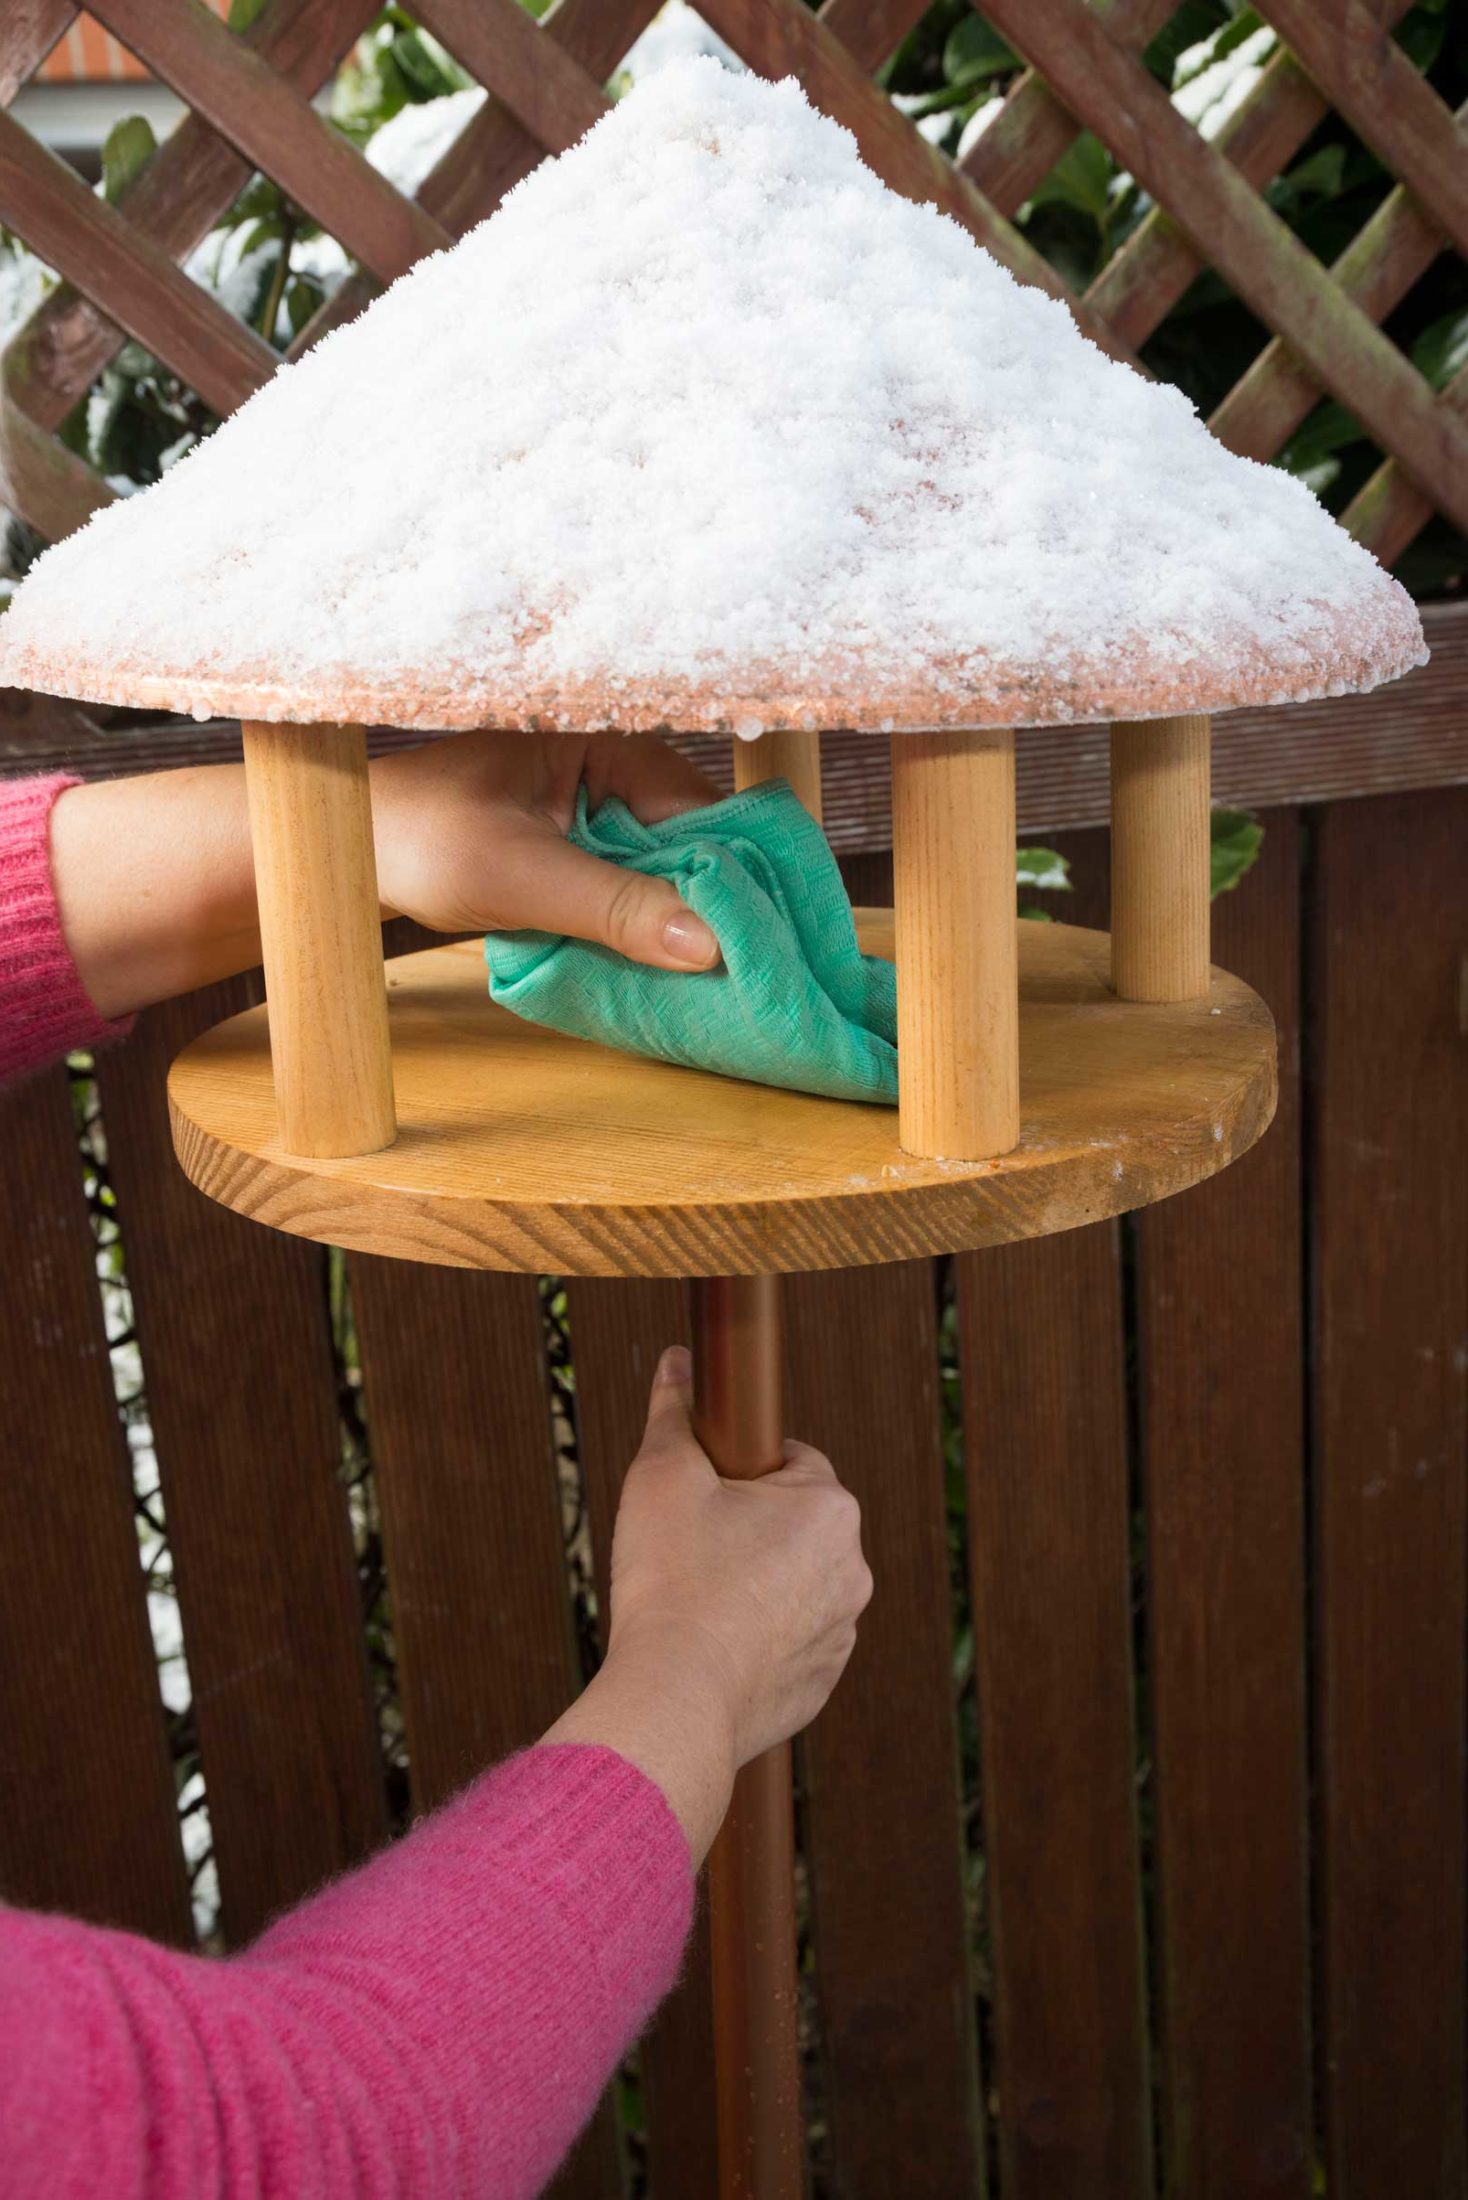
(794, 1002)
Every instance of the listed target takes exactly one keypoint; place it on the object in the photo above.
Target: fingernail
(688, 940)
(675, 1366)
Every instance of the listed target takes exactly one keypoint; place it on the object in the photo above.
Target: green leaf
(1081, 178)
(1042, 869)
(1234, 34)
(1194, 21)
(1235, 839)
(260, 198)
(1421, 36)
(1320, 177)
(1320, 476)
(242, 13)
(1442, 349)
(419, 69)
(974, 53)
(129, 146)
(134, 362)
(268, 231)
(1330, 428)
(302, 298)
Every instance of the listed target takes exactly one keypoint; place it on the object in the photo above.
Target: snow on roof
(708, 427)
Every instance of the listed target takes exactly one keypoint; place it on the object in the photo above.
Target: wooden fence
(1134, 1843)
(1191, 1627)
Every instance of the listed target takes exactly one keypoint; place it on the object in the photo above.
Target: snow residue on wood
(707, 426)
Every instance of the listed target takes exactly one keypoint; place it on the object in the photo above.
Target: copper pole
(736, 1383)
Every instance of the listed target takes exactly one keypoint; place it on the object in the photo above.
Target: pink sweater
(441, 2021)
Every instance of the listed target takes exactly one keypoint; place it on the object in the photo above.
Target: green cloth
(795, 1002)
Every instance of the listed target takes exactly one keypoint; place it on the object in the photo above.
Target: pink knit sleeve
(440, 2022)
(43, 1009)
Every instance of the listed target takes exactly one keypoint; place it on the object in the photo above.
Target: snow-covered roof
(706, 427)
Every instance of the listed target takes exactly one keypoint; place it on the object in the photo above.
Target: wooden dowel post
(321, 933)
(1160, 919)
(784, 753)
(736, 1387)
(953, 842)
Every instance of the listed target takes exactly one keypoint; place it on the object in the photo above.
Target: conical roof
(708, 427)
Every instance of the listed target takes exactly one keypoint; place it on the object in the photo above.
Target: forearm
(155, 884)
(664, 1706)
(44, 1008)
(440, 2022)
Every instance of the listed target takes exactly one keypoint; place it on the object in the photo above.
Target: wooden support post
(321, 932)
(953, 840)
(1159, 859)
(736, 1388)
(784, 753)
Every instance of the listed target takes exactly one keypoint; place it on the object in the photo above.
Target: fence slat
(233, 1324)
(88, 1823)
(1044, 1439)
(1391, 1423)
(454, 1379)
(888, 1913)
(871, 29)
(30, 30)
(1222, 1417)
(453, 1367)
(618, 1328)
(1389, 509)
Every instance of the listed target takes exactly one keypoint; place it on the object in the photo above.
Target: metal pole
(736, 1380)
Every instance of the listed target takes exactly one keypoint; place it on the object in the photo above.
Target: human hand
(156, 887)
(471, 837)
(734, 1610)
(759, 1582)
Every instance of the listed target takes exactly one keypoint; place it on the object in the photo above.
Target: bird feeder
(706, 429)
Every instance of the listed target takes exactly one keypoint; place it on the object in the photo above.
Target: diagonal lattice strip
(1033, 130)
(871, 29)
(553, 100)
(1389, 509)
(1139, 287)
(1377, 269)
(1257, 255)
(194, 177)
(47, 204)
(27, 35)
(1372, 85)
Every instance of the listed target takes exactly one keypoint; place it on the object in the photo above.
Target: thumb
(555, 886)
(670, 1407)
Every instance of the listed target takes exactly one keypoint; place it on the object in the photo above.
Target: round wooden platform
(519, 1149)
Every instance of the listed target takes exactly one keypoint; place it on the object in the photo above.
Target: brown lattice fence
(250, 106)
